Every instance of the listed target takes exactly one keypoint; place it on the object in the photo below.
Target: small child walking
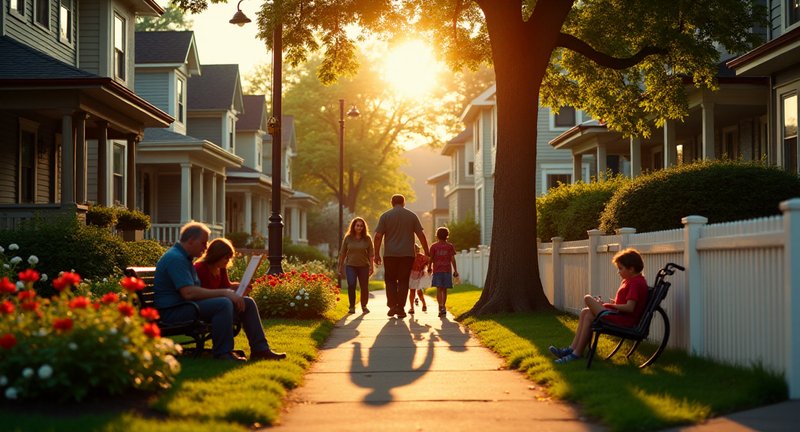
(415, 281)
(443, 260)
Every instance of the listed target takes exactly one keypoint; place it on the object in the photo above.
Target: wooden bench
(641, 331)
(197, 330)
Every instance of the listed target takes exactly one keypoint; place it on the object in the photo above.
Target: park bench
(641, 331)
(197, 330)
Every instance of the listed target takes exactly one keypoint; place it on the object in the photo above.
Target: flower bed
(295, 294)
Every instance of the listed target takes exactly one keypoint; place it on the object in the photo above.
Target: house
(480, 118)
(57, 101)
(440, 215)
(182, 168)
(779, 61)
(460, 188)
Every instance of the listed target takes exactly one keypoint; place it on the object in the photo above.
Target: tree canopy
(173, 19)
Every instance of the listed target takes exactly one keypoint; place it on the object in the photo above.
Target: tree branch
(572, 43)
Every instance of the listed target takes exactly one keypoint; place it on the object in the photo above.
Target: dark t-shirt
(442, 254)
(174, 271)
(398, 225)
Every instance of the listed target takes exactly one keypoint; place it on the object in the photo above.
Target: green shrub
(104, 217)
(303, 253)
(295, 295)
(257, 241)
(718, 190)
(238, 239)
(128, 220)
(143, 253)
(569, 210)
(464, 234)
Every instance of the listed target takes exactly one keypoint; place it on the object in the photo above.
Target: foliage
(104, 217)
(464, 234)
(69, 346)
(173, 19)
(143, 253)
(257, 241)
(66, 243)
(295, 294)
(719, 190)
(569, 210)
(303, 253)
(238, 239)
(128, 220)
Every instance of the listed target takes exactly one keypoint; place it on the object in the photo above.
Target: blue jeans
(219, 311)
(360, 275)
(396, 271)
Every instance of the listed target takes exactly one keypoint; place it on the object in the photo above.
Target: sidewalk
(772, 418)
(421, 373)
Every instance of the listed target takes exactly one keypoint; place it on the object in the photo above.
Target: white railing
(168, 234)
(738, 301)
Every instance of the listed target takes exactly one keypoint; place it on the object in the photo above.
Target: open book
(249, 272)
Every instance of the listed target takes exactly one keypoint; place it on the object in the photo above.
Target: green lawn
(677, 389)
(208, 395)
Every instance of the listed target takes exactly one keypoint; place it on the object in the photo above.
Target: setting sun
(411, 69)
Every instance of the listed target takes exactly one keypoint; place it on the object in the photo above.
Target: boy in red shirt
(443, 256)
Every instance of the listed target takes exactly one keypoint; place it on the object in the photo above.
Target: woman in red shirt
(212, 267)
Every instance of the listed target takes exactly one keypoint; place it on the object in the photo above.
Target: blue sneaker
(567, 358)
(560, 352)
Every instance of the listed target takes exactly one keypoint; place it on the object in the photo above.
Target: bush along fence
(738, 301)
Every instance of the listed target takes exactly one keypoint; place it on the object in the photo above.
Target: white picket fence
(738, 301)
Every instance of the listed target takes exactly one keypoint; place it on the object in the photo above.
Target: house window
(119, 47)
(27, 166)
(181, 97)
(65, 23)
(554, 179)
(231, 130)
(565, 117)
(18, 7)
(790, 132)
(42, 11)
(793, 15)
(119, 175)
(470, 168)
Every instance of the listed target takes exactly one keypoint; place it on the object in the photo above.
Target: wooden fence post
(694, 282)
(791, 277)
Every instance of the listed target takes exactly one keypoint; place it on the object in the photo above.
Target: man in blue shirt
(176, 282)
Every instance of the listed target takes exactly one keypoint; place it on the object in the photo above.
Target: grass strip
(678, 389)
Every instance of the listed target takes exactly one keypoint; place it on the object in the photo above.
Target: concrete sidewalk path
(420, 373)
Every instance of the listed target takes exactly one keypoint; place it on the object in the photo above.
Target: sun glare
(411, 69)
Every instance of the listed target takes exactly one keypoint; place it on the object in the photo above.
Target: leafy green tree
(623, 61)
(464, 234)
(173, 19)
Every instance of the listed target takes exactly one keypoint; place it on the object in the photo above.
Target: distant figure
(630, 302)
(443, 260)
(398, 225)
(176, 282)
(355, 262)
(417, 281)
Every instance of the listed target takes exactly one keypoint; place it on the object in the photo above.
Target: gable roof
(254, 117)
(21, 61)
(485, 99)
(218, 88)
(458, 141)
(171, 48)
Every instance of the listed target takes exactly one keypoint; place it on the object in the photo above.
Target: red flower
(132, 284)
(29, 275)
(25, 295)
(152, 330)
(149, 314)
(66, 279)
(7, 286)
(125, 309)
(79, 303)
(6, 307)
(62, 324)
(110, 298)
(30, 305)
(96, 305)
(8, 341)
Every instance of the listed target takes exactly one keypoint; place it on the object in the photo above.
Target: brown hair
(398, 199)
(351, 230)
(442, 233)
(218, 248)
(629, 258)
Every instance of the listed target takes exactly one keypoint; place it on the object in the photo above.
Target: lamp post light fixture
(275, 227)
(351, 113)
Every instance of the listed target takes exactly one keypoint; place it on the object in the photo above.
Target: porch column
(248, 212)
(197, 194)
(670, 146)
(636, 156)
(67, 161)
(103, 190)
(295, 234)
(708, 128)
(214, 204)
(577, 167)
(601, 161)
(186, 192)
(130, 172)
(220, 210)
(81, 157)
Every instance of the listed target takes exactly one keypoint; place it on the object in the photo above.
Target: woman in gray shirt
(355, 261)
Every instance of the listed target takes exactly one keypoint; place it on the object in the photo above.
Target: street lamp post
(352, 113)
(275, 227)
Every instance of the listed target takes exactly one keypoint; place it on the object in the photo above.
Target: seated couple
(206, 283)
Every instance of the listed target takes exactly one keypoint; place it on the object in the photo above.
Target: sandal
(567, 358)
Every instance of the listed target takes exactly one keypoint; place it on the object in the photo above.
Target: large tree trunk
(521, 53)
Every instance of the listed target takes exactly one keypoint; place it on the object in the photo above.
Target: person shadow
(390, 362)
(346, 331)
(454, 334)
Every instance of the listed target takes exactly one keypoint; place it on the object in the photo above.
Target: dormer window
(42, 12)
(18, 7)
(65, 23)
(565, 117)
(119, 47)
(181, 96)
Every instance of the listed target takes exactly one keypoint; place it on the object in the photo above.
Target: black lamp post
(352, 113)
(274, 125)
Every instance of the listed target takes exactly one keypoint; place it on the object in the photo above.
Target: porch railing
(168, 234)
